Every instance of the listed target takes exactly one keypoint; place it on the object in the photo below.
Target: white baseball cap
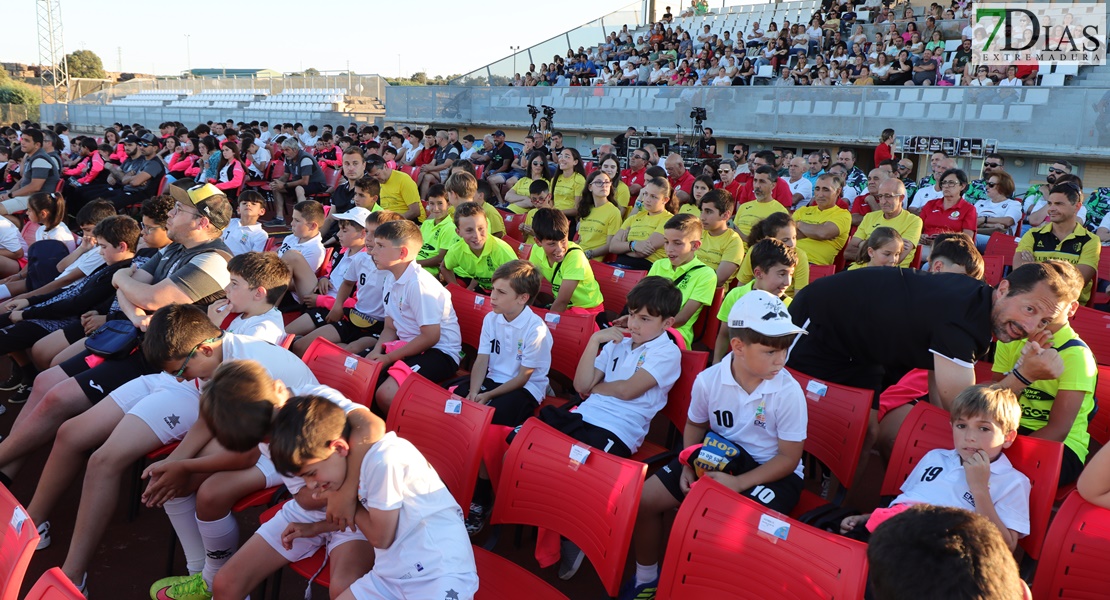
(763, 313)
(357, 214)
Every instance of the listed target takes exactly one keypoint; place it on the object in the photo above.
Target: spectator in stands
(569, 181)
(763, 184)
(800, 186)
(815, 169)
(999, 212)
(39, 172)
(925, 70)
(931, 188)
(949, 213)
(519, 196)
(436, 171)
(139, 177)
(823, 227)
(992, 163)
(755, 36)
(231, 172)
(891, 197)
(398, 191)
(302, 178)
(1063, 237)
(681, 180)
(639, 242)
(501, 157)
(259, 159)
(782, 189)
(906, 556)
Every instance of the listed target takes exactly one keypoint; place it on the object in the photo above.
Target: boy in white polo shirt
(245, 233)
(418, 312)
(303, 250)
(748, 401)
(975, 476)
(258, 281)
(510, 371)
(625, 385)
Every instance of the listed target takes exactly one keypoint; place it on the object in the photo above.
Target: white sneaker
(44, 535)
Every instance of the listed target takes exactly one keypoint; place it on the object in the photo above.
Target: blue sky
(469, 38)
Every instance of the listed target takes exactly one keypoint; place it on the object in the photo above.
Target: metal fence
(1070, 121)
(588, 35)
(14, 113)
(367, 86)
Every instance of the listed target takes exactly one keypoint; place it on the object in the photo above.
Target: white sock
(646, 573)
(4, 293)
(183, 516)
(221, 539)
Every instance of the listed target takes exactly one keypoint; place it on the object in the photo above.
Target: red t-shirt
(936, 219)
(630, 179)
(882, 153)
(781, 193)
(860, 205)
(684, 183)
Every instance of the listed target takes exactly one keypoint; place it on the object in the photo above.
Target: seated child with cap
(245, 233)
(773, 265)
(302, 249)
(625, 382)
(476, 255)
(564, 265)
(414, 524)
(974, 476)
(748, 404)
(696, 281)
(355, 327)
(438, 230)
(258, 281)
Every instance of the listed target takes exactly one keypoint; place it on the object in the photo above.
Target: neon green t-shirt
(697, 282)
(1079, 375)
(437, 237)
(464, 263)
(574, 267)
(736, 294)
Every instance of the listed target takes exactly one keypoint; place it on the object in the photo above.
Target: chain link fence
(14, 113)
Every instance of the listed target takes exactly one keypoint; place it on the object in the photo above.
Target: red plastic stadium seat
(1093, 326)
(1103, 274)
(993, 268)
(818, 271)
(1073, 564)
(54, 585)
(593, 504)
(1001, 244)
(1099, 426)
(928, 427)
(501, 578)
(19, 541)
(615, 283)
(513, 221)
(452, 443)
(712, 328)
(717, 550)
(471, 309)
(569, 336)
(836, 429)
(353, 376)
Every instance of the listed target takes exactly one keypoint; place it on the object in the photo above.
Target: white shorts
(264, 464)
(291, 512)
(453, 586)
(16, 204)
(168, 406)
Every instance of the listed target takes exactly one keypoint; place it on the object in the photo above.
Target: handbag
(113, 339)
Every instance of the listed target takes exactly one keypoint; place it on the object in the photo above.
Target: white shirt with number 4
(775, 410)
(523, 342)
(629, 419)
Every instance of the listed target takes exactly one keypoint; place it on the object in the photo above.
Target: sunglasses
(1057, 171)
(180, 372)
(992, 165)
(992, 185)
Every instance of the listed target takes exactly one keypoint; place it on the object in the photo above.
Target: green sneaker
(181, 587)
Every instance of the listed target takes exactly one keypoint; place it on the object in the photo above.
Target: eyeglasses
(603, 182)
(180, 372)
(178, 208)
(888, 196)
(949, 183)
(148, 228)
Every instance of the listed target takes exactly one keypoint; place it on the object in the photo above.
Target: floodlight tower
(52, 54)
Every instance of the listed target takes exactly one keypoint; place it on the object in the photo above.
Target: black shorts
(632, 263)
(348, 331)
(510, 409)
(432, 364)
(781, 495)
(313, 188)
(572, 424)
(99, 381)
(74, 332)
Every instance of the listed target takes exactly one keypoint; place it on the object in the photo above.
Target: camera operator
(621, 141)
(707, 145)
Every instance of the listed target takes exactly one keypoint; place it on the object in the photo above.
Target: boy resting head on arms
(405, 511)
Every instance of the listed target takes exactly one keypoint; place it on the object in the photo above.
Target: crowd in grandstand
(906, 48)
(180, 315)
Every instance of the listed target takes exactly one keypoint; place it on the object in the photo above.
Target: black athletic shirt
(894, 318)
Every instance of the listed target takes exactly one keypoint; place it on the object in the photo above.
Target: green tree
(85, 63)
(310, 72)
(419, 78)
(15, 92)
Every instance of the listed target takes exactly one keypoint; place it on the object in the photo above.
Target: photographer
(707, 145)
